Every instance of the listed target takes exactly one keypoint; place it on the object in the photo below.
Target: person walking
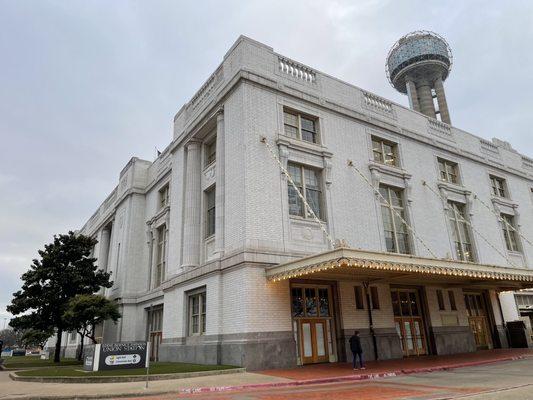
(357, 350)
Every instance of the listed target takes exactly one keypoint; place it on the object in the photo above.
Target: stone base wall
(254, 351)
(453, 339)
(387, 341)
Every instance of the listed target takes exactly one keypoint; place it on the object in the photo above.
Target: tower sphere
(419, 55)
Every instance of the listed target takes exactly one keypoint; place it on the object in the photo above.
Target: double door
(312, 321)
(314, 340)
(477, 319)
(409, 321)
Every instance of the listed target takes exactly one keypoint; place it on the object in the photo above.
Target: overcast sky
(85, 85)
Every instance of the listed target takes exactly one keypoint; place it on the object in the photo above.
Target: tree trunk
(57, 353)
(80, 354)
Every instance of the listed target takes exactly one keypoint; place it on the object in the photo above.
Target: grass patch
(21, 362)
(156, 368)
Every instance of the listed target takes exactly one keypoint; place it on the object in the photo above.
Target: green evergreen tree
(65, 270)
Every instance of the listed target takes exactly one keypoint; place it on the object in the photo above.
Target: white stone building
(215, 258)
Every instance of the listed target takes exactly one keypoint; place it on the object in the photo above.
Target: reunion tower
(417, 65)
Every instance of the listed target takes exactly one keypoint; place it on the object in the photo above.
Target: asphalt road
(504, 380)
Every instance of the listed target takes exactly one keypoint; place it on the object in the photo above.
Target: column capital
(220, 111)
(193, 144)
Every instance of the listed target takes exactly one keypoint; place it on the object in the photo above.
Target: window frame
(440, 300)
(160, 265)
(446, 164)
(201, 295)
(359, 297)
(456, 225)
(303, 189)
(374, 297)
(510, 236)
(451, 299)
(164, 196)
(499, 186)
(382, 142)
(400, 210)
(210, 158)
(299, 128)
(208, 209)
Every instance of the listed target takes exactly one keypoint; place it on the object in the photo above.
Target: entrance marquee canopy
(361, 264)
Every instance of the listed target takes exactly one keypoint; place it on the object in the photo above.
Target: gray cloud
(86, 85)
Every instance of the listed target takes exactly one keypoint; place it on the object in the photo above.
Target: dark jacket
(355, 344)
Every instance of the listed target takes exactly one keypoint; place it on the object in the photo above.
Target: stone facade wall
(250, 89)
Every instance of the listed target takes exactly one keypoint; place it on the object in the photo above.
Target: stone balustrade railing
(296, 70)
(376, 103)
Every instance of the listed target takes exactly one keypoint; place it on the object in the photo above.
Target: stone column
(219, 187)
(412, 95)
(103, 253)
(192, 208)
(426, 99)
(441, 99)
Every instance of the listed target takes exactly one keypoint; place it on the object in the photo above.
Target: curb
(281, 384)
(123, 378)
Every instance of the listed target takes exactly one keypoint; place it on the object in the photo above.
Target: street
(504, 380)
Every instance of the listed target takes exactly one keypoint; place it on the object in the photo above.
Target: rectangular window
(498, 186)
(210, 212)
(385, 152)
(211, 152)
(300, 126)
(396, 234)
(448, 171)
(374, 296)
(509, 233)
(164, 196)
(460, 231)
(440, 300)
(161, 250)
(197, 313)
(451, 297)
(359, 297)
(307, 180)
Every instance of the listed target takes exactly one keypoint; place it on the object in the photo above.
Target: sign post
(121, 355)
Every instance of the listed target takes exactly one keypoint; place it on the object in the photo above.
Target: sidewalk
(313, 374)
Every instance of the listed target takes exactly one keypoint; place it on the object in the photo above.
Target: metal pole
(370, 322)
(150, 314)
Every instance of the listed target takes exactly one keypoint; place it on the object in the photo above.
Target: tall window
(210, 213)
(211, 151)
(498, 186)
(460, 231)
(508, 233)
(308, 182)
(300, 126)
(440, 300)
(164, 195)
(359, 303)
(385, 152)
(448, 171)
(161, 250)
(396, 235)
(197, 313)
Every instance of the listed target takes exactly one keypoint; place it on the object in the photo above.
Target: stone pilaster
(192, 208)
(220, 186)
(441, 100)
(426, 99)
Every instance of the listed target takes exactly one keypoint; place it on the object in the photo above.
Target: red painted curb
(347, 378)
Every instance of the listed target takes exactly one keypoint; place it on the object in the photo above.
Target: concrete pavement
(504, 380)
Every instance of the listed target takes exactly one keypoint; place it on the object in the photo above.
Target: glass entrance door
(155, 334)
(314, 341)
(312, 320)
(409, 321)
(477, 319)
